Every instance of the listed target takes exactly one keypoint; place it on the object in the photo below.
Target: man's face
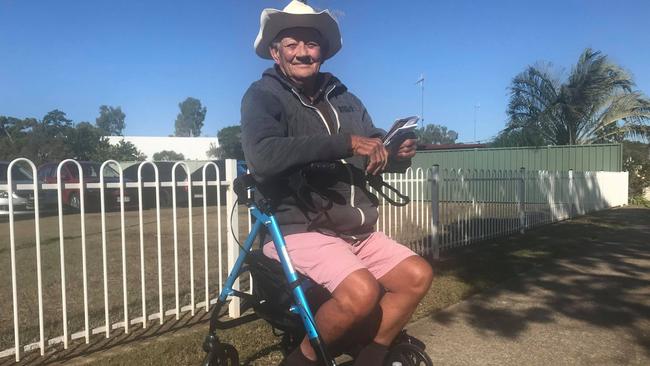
(299, 53)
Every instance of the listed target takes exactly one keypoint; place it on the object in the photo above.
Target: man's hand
(374, 149)
(407, 149)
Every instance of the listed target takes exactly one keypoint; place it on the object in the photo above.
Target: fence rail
(114, 270)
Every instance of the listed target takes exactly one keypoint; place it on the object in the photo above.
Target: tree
(436, 134)
(87, 142)
(14, 134)
(84, 141)
(213, 151)
(11, 128)
(636, 161)
(111, 120)
(55, 138)
(168, 155)
(596, 103)
(36, 140)
(190, 120)
(123, 151)
(56, 119)
(519, 137)
(46, 140)
(229, 144)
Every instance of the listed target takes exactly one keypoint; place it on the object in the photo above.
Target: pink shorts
(328, 260)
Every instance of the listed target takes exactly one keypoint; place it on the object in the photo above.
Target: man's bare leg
(356, 298)
(352, 301)
(405, 285)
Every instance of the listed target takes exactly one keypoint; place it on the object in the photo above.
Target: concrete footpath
(592, 308)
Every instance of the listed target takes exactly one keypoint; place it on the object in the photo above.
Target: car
(47, 173)
(23, 200)
(197, 191)
(164, 175)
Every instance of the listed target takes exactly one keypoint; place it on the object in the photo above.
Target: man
(294, 116)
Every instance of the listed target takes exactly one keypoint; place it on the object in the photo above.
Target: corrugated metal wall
(603, 157)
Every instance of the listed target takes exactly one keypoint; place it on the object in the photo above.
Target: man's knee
(358, 295)
(416, 275)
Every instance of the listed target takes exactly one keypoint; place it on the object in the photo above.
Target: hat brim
(273, 21)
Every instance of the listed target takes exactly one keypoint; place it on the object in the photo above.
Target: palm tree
(597, 103)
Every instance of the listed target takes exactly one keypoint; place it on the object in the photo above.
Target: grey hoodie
(282, 133)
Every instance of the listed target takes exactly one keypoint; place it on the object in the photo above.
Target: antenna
(477, 106)
(421, 82)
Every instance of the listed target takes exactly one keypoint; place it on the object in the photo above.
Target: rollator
(284, 298)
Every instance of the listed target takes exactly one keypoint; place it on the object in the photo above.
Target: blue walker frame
(300, 306)
(225, 354)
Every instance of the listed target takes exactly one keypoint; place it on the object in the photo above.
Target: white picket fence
(134, 268)
(475, 205)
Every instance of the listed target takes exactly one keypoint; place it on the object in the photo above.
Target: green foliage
(190, 120)
(13, 133)
(168, 155)
(84, 141)
(56, 119)
(436, 134)
(519, 137)
(127, 151)
(213, 151)
(87, 142)
(597, 103)
(46, 140)
(10, 127)
(229, 144)
(636, 161)
(111, 120)
(639, 201)
(55, 138)
(123, 151)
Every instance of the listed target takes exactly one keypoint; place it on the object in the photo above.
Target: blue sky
(147, 56)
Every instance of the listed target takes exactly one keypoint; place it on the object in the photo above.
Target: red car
(47, 173)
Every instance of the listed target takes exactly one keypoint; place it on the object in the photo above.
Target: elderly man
(296, 115)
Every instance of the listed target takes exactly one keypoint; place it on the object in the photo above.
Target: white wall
(192, 148)
(596, 191)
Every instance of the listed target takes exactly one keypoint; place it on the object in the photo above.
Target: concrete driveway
(592, 308)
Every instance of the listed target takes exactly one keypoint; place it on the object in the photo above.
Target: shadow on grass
(261, 354)
(595, 269)
(58, 355)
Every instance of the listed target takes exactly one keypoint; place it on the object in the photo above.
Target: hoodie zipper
(338, 124)
(347, 167)
(314, 108)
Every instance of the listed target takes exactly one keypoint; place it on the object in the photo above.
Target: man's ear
(275, 54)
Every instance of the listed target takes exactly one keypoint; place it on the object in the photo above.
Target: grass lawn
(51, 267)
(26, 267)
(459, 273)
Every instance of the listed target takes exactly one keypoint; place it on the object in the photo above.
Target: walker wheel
(407, 354)
(229, 356)
(224, 355)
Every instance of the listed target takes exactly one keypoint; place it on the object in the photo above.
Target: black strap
(377, 182)
(295, 284)
(299, 184)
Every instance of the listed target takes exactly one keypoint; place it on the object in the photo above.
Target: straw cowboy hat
(297, 14)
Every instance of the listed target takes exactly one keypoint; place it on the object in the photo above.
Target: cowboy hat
(297, 14)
